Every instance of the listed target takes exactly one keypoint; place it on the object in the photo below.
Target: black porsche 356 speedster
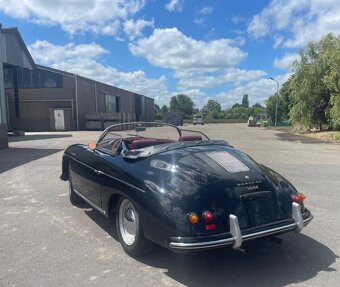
(179, 189)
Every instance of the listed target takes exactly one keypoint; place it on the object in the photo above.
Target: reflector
(210, 227)
(193, 218)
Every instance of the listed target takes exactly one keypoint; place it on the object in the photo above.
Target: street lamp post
(276, 99)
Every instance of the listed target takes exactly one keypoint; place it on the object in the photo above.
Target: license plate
(260, 211)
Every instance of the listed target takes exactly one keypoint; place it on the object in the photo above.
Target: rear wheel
(75, 199)
(129, 229)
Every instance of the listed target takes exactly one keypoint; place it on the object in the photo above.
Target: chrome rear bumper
(237, 238)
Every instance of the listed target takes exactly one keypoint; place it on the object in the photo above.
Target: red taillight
(298, 198)
(208, 216)
(210, 227)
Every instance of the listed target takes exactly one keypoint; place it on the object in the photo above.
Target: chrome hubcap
(128, 222)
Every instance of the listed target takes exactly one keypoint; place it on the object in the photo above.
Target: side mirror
(92, 145)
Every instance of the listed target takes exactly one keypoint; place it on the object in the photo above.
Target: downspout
(77, 108)
(95, 96)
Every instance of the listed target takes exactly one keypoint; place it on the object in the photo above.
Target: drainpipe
(95, 95)
(77, 108)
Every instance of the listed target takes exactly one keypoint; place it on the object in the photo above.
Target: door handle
(99, 172)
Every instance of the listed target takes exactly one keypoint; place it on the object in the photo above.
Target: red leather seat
(189, 138)
(145, 142)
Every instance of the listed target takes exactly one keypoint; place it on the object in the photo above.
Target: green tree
(213, 105)
(335, 112)
(271, 109)
(315, 84)
(245, 101)
(182, 103)
(236, 105)
(212, 109)
(257, 105)
(285, 99)
(331, 58)
(157, 108)
(164, 109)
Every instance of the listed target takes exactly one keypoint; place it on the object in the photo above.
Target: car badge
(246, 177)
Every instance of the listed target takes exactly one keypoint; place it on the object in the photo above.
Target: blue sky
(206, 49)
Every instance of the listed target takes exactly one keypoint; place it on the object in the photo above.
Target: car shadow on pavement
(106, 224)
(263, 263)
(14, 157)
(36, 137)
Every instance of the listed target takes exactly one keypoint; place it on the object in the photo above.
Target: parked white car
(198, 120)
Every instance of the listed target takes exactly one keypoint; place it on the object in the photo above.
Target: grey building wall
(149, 109)
(3, 114)
(14, 52)
(36, 104)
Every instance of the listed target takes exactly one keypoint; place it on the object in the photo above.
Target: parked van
(198, 120)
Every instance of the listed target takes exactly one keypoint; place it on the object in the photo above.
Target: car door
(85, 174)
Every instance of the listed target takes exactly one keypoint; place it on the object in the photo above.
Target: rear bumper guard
(237, 238)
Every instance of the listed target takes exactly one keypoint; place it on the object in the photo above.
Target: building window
(31, 79)
(112, 104)
(8, 78)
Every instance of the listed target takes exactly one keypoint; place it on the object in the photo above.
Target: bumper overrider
(235, 237)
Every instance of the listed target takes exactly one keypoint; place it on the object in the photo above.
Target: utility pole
(276, 98)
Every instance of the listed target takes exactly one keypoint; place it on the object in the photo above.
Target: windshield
(139, 136)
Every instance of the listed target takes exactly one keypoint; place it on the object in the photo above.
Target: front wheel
(129, 229)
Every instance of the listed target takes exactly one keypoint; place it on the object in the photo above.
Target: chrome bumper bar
(237, 238)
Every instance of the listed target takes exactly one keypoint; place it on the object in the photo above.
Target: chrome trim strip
(102, 211)
(201, 245)
(229, 241)
(99, 172)
(308, 220)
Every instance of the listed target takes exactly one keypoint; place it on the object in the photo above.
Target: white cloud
(46, 53)
(286, 61)
(206, 10)
(258, 91)
(169, 48)
(84, 59)
(209, 80)
(134, 28)
(199, 97)
(303, 21)
(278, 40)
(237, 19)
(174, 6)
(76, 16)
(202, 15)
(199, 21)
(277, 15)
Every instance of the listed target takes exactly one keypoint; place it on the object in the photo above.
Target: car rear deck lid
(228, 162)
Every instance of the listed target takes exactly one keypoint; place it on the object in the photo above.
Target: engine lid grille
(228, 162)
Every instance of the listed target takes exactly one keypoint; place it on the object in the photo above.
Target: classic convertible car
(179, 189)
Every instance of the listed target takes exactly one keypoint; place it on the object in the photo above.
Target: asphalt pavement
(45, 241)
